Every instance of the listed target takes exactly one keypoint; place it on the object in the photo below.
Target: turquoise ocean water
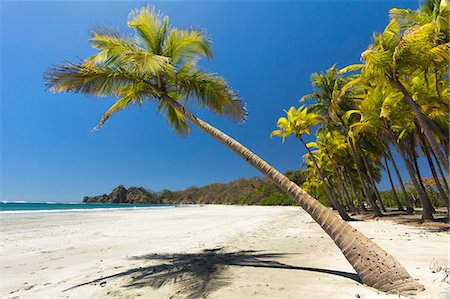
(20, 208)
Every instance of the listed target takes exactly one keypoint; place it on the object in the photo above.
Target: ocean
(20, 208)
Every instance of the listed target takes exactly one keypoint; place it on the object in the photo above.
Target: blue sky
(265, 50)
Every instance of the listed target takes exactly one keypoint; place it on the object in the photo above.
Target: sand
(201, 252)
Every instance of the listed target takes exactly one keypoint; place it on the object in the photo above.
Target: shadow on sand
(196, 274)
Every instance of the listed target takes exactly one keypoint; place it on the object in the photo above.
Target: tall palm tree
(399, 49)
(159, 64)
(299, 122)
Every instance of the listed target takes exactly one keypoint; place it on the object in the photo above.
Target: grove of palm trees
(394, 103)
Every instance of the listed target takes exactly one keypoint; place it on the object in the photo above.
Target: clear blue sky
(266, 50)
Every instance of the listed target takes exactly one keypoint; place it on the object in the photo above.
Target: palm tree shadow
(196, 274)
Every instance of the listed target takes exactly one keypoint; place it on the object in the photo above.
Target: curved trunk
(408, 202)
(334, 200)
(426, 207)
(375, 267)
(423, 124)
(399, 205)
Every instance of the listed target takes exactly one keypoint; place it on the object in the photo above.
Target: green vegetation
(395, 102)
(277, 199)
(243, 191)
(252, 191)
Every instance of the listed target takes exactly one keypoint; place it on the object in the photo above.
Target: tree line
(396, 102)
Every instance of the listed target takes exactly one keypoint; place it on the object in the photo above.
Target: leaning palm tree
(159, 64)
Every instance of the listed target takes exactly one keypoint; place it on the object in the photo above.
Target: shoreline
(64, 208)
(213, 250)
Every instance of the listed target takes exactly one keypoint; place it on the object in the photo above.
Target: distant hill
(243, 191)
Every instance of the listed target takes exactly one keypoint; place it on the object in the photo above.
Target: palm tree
(298, 122)
(383, 114)
(319, 168)
(394, 192)
(409, 207)
(332, 102)
(159, 64)
(331, 143)
(410, 48)
(441, 191)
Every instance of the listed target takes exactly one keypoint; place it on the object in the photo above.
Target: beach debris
(29, 287)
(102, 284)
(436, 268)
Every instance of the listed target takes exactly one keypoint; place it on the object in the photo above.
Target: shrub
(277, 199)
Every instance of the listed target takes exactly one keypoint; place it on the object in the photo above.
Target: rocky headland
(243, 191)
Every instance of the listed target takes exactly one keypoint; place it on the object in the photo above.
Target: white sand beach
(206, 252)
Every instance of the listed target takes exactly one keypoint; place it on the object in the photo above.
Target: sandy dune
(206, 252)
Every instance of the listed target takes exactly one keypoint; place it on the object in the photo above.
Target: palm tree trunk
(443, 176)
(408, 202)
(426, 208)
(326, 184)
(333, 199)
(441, 191)
(336, 194)
(399, 205)
(436, 179)
(339, 175)
(412, 153)
(423, 123)
(375, 210)
(372, 182)
(352, 185)
(375, 267)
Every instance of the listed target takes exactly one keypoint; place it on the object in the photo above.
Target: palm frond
(174, 119)
(209, 91)
(96, 81)
(118, 50)
(105, 39)
(150, 28)
(131, 94)
(187, 43)
(306, 97)
(351, 68)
